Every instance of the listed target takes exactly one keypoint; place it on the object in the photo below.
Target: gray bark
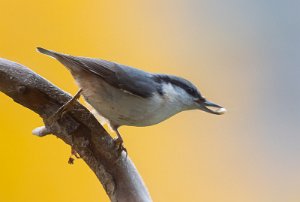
(78, 127)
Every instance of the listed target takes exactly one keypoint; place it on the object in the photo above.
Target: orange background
(243, 55)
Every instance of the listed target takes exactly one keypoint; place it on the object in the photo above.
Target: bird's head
(184, 92)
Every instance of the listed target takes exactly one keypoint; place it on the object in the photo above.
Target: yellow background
(243, 55)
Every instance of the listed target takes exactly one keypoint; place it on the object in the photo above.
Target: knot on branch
(21, 89)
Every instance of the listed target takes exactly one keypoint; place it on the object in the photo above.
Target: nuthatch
(127, 96)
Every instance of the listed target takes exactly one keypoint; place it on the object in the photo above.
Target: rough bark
(78, 127)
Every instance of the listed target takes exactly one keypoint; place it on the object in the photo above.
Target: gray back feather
(128, 79)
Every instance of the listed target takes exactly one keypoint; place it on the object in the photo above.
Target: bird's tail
(47, 52)
(66, 60)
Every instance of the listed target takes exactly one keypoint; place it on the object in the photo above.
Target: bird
(127, 96)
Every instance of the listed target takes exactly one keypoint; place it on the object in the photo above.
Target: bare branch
(77, 127)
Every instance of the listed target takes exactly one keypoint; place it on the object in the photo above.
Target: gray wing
(126, 78)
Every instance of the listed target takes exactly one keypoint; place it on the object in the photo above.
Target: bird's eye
(190, 91)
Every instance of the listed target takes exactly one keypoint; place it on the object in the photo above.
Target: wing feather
(128, 79)
(125, 78)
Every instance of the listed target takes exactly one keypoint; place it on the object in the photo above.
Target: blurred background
(243, 55)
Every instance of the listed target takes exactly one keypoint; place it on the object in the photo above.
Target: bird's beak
(204, 104)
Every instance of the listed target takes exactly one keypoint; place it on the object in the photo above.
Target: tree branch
(78, 128)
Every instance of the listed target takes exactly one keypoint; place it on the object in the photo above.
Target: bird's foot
(64, 109)
(120, 147)
(75, 154)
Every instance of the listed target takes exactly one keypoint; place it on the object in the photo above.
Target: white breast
(123, 108)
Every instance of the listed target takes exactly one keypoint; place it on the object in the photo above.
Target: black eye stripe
(182, 83)
(192, 92)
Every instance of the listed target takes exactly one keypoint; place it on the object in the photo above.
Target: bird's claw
(64, 109)
(120, 147)
(73, 153)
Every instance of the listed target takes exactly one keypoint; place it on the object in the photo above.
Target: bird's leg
(119, 143)
(59, 114)
(63, 109)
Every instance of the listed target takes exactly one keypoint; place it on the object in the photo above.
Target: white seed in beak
(221, 110)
